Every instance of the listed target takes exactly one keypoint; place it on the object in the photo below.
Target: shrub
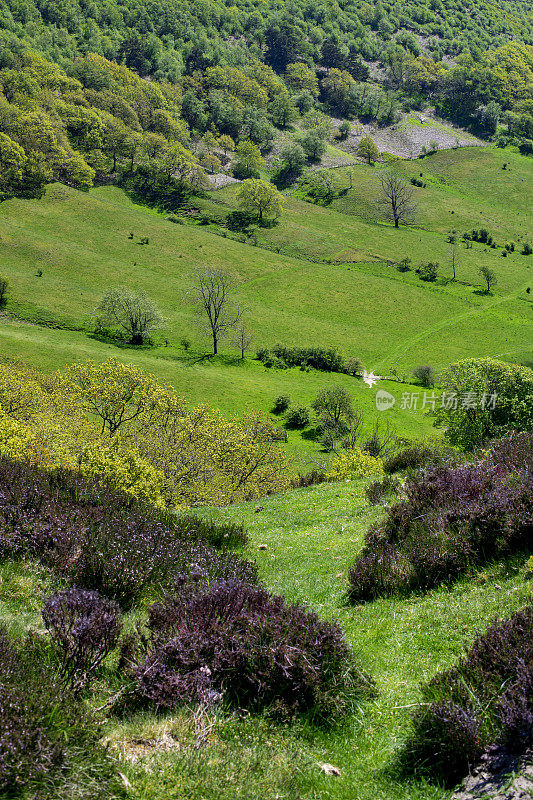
(404, 265)
(353, 366)
(425, 375)
(451, 519)
(249, 646)
(48, 744)
(312, 478)
(503, 401)
(298, 417)
(418, 454)
(428, 272)
(376, 491)
(106, 541)
(527, 249)
(487, 697)
(85, 628)
(281, 403)
(354, 464)
(4, 285)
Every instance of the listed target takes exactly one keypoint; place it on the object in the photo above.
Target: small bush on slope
(451, 518)
(85, 628)
(249, 647)
(48, 745)
(487, 697)
(106, 541)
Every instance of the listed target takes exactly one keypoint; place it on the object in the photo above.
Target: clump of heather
(48, 745)
(85, 628)
(247, 647)
(486, 699)
(450, 519)
(106, 541)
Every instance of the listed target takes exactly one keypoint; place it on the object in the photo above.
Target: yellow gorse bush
(354, 464)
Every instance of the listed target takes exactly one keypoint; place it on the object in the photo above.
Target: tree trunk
(215, 345)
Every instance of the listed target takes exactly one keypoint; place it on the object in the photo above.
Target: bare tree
(243, 338)
(132, 312)
(213, 297)
(489, 277)
(454, 256)
(397, 197)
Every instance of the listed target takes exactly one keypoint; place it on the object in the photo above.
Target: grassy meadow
(333, 282)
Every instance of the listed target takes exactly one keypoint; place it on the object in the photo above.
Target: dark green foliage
(298, 417)
(451, 519)
(281, 403)
(155, 188)
(487, 697)
(4, 285)
(251, 649)
(425, 375)
(428, 272)
(419, 454)
(321, 358)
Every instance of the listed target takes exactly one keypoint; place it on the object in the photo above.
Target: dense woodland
(158, 96)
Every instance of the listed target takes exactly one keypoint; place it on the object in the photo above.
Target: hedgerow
(320, 358)
(450, 519)
(486, 698)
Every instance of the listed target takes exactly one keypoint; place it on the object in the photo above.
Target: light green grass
(311, 537)
(360, 303)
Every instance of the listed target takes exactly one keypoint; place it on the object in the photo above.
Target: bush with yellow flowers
(354, 463)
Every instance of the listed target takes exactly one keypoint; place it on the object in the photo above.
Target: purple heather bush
(248, 647)
(451, 519)
(487, 698)
(106, 541)
(48, 744)
(85, 628)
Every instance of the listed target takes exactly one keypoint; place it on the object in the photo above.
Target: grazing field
(333, 282)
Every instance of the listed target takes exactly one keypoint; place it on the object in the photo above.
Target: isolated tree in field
(214, 304)
(260, 198)
(368, 150)
(243, 338)
(397, 198)
(489, 277)
(425, 375)
(131, 312)
(454, 256)
(333, 407)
